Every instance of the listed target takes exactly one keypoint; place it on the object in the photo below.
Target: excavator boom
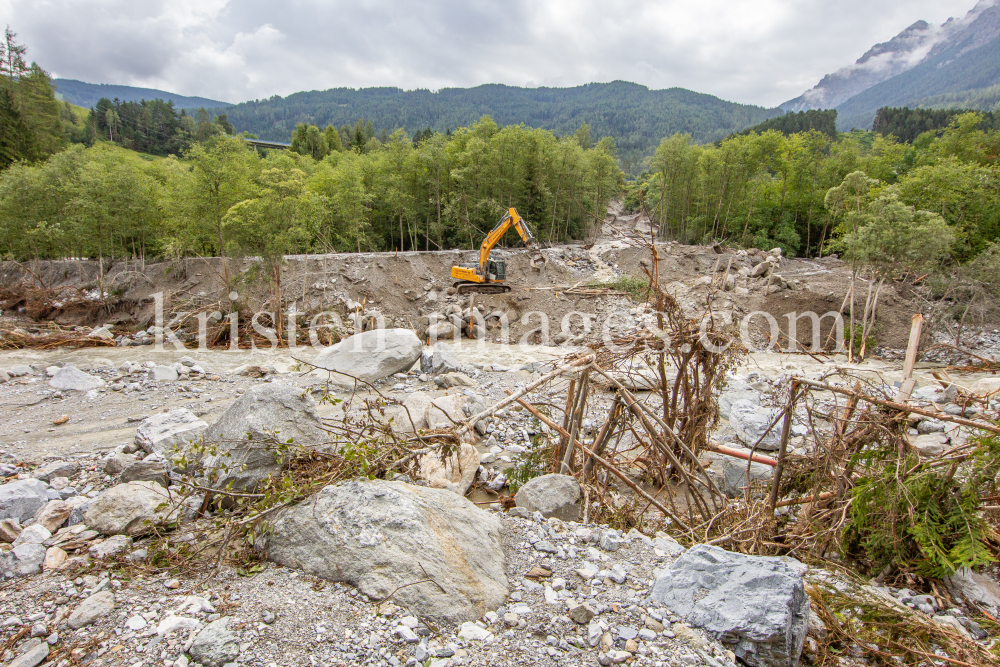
(489, 275)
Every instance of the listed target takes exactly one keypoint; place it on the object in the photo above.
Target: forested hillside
(31, 119)
(88, 94)
(977, 99)
(771, 190)
(223, 197)
(907, 124)
(635, 116)
(822, 120)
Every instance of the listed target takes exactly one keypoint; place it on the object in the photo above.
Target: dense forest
(908, 124)
(222, 197)
(31, 119)
(822, 120)
(633, 115)
(770, 190)
(977, 99)
(152, 126)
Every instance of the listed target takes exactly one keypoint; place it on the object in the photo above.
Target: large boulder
(412, 416)
(53, 515)
(750, 421)
(445, 411)
(971, 585)
(986, 387)
(730, 474)
(441, 358)
(71, 378)
(164, 432)
(250, 438)
(553, 495)
(22, 560)
(21, 498)
(53, 469)
(455, 472)
(370, 356)
(736, 390)
(929, 444)
(132, 509)
(32, 657)
(96, 606)
(755, 605)
(150, 469)
(436, 552)
(216, 645)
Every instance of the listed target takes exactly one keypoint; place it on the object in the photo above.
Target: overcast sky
(755, 51)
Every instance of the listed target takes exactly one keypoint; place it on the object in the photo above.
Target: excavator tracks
(480, 288)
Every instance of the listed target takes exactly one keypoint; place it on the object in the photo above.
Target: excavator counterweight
(488, 276)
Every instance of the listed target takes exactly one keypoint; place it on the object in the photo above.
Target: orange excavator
(488, 276)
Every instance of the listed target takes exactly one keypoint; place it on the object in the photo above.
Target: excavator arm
(510, 219)
(488, 277)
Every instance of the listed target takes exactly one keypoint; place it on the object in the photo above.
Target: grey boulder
(164, 432)
(132, 509)
(730, 474)
(750, 421)
(454, 472)
(36, 655)
(21, 498)
(22, 560)
(53, 469)
(251, 437)
(970, 585)
(440, 358)
(96, 606)
(370, 356)
(754, 605)
(553, 495)
(71, 378)
(216, 644)
(147, 470)
(161, 374)
(736, 390)
(437, 553)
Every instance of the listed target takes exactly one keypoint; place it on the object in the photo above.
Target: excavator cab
(496, 270)
(488, 276)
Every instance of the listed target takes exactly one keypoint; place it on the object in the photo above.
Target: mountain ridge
(86, 95)
(917, 45)
(637, 117)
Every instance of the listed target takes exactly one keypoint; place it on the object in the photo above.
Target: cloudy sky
(755, 51)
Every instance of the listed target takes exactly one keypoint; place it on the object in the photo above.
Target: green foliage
(889, 236)
(769, 189)
(635, 116)
(821, 120)
(532, 463)
(636, 288)
(911, 515)
(30, 124)
(907, 124)
(153, 126)
(382, 193)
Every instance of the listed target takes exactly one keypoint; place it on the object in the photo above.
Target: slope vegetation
(635, 116)
(87, 94)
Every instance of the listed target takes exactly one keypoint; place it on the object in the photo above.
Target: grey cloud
(758, 51)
